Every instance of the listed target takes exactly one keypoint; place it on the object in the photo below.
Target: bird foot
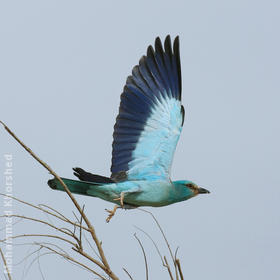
(121, 198)
(111, 213)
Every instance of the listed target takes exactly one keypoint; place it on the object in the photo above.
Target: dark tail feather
(74, 186)
(88, 177)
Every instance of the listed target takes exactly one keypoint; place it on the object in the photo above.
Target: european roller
(146, 132)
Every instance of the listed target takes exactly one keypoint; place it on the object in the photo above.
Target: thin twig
(48, 244)
(166, 241)
(94, 251)
(66, 256)
(83, 253)
(43, 210)
(12, 224)
(168, 268)
(39, 265)
(5, 264)
(80, 239)
(39, 221)
(129, 275)
(162, 232)
(176, 252)
(41, 235)
(145, 258)
(54, 210)
(154, 243)
(164, 262)
(37, 250)
(37, 259)
(180, 269)
(29, 254)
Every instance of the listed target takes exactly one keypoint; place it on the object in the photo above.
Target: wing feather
(150, 117)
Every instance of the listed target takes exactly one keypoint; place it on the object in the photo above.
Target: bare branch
(66, 256)
(37, 259)
(89, 257)
(5, 264)
(43, 210)
(80, 239)
(180, 269)
(168, 268)
(129, 275)
(41, 235)
(165, 239)
(107, 268)
(29, 255)
(39, 221)
(154, 243)
(94, 251)
(145, 258)
(54, 210)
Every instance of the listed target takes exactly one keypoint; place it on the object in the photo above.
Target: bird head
(188, 189)
(195, 188)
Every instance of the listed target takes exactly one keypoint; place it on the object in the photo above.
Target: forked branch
(104, 265)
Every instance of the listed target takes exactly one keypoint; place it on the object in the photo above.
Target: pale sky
(63, 65)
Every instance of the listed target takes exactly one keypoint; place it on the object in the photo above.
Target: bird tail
(74, 186)
(89, 177)
(87, 184)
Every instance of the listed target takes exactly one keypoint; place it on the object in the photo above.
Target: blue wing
(150, 117)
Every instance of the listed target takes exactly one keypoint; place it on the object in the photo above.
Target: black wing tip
(157, 40)
(167, 42)
(183, 114)
(169, 50)
(176, 51)
(172, 53)
(128, 80)
(135, 70)
(150, 52)
(142, 60)
(176, 47)
(177, 40)
(158, 46)
(167, 45)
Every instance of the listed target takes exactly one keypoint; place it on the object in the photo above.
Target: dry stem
(5, 264)
(144, 254)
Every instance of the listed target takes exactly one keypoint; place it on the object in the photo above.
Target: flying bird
(146, 132)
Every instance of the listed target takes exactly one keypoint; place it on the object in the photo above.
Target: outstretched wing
(150, 117)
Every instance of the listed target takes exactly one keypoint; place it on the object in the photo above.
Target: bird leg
(111, 213)
(121, 198)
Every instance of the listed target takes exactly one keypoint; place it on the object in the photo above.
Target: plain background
(63, 65)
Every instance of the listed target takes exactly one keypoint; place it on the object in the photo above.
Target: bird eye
(191, 186)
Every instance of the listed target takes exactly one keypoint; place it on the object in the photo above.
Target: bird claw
(111, 213)
(121, 198)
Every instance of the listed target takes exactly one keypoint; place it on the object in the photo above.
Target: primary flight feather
(145, 136)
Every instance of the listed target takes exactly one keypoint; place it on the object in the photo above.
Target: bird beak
(202, 190)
